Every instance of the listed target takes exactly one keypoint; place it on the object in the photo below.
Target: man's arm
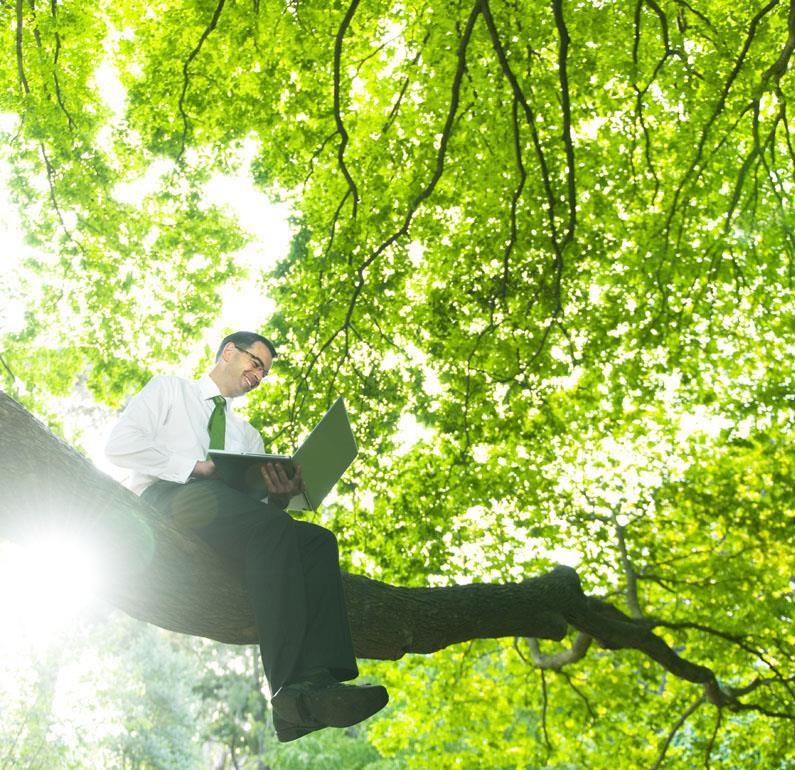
(133, 440)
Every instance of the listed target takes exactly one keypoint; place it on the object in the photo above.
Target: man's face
(245, 369)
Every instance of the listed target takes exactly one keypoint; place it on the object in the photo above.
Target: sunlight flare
(46, 585)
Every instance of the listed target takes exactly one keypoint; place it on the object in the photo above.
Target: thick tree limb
(163, 576)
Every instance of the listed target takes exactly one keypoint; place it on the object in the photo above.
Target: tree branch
(578, 650)
(698, 14)
(719, 105)
(53, 199)
(640, 93)
(544, 709)
(186, 75)
(557, 244)
(629, 570)
(712, 737)
(529, 116)
(337, 112)
(414, 205)
(517, 194)
(170, 578)
(40, 46)
(7, 368)
(677, 725)
(18, 37)
(777, 70)
(578, 692)
(58, 94)
(571, 186)
(615, 630)
(316, 154)
(396, 106)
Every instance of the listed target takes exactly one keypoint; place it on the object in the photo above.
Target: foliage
(107, 692)
(557, 236)
(111, 692)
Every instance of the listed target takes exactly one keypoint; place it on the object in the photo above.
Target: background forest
(545, 251)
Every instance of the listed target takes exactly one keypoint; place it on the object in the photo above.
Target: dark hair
(245, 340)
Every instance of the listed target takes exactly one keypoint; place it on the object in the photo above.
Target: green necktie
(216, 427)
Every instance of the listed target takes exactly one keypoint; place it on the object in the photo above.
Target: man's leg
(293, 578)
(326, 642)
(291, 571)
(312, 697)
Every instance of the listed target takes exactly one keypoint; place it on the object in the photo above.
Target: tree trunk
(169, 578)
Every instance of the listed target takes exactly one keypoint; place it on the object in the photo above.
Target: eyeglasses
(256, 361)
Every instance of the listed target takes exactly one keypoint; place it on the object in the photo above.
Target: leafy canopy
(557, 236)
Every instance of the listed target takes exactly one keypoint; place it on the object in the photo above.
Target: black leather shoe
(286, 731)
(305, 706)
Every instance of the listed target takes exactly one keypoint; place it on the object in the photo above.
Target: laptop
(324, 456)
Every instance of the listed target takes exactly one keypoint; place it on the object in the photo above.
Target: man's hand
(204, 469)
(280, 486)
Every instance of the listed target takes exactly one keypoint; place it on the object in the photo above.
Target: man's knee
(316, 537)
(272, 524)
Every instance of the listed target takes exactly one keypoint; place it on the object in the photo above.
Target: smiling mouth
(251, 383)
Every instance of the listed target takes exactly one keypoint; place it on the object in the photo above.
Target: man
(290, 567)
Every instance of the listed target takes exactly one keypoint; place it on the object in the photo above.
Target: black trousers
(289, 567)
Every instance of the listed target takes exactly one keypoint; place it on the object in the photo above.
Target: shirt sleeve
(133, 442)
(253, 440)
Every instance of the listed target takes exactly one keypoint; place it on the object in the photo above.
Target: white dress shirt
(162, 433)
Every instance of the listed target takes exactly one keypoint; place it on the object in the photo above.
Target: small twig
(186, 76)
(544, 706)
(679, 722)
(717, 110)
(632, 578)
(711, 742)
(7, 368)
(20, 63)
(735, 638)
(577, 690)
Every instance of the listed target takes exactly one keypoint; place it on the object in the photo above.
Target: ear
(228, 351)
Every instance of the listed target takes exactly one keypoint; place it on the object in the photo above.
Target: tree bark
(167, 577)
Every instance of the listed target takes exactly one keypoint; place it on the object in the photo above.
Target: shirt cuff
(179, 469)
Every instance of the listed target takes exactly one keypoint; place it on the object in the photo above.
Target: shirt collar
(208, 389)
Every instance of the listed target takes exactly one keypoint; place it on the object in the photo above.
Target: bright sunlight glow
(44, 586)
